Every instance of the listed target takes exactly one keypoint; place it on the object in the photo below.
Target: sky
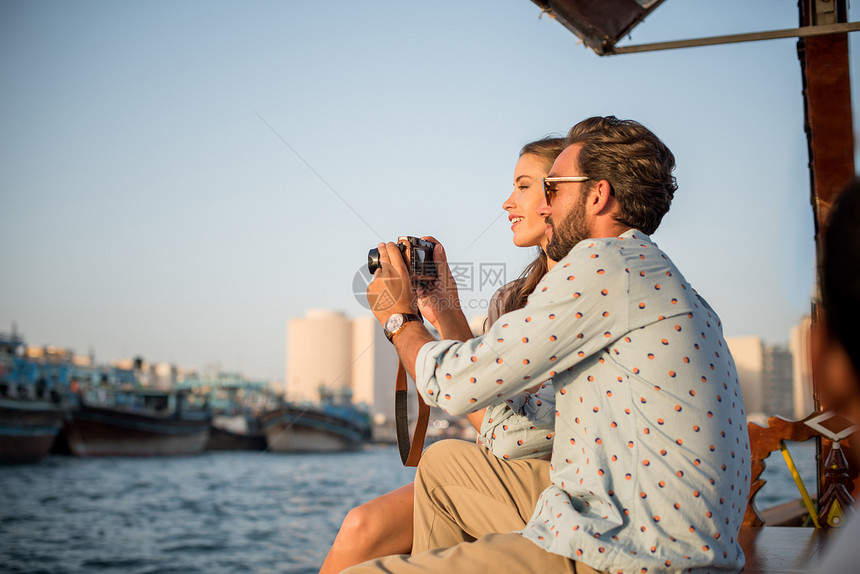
(180, 178)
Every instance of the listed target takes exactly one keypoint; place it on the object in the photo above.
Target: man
(650, 466)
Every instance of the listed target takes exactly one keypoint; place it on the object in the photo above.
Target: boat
(236, 404)
(139, 422)
(32, 405)
(236, 432)
(326, 427)
(28, 427)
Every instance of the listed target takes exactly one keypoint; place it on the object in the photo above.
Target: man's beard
(567, 233)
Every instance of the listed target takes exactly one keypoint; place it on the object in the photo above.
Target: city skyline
(180, 179)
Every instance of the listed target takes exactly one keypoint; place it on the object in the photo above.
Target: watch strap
(407, 318)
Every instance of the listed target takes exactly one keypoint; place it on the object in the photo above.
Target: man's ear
(602, 198)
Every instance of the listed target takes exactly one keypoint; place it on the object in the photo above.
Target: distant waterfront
(218, 513)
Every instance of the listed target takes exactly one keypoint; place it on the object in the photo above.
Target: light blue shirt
(523, 425)
(650, 465)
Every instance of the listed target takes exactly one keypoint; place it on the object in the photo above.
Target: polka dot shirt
(521, 426)
(650, 463)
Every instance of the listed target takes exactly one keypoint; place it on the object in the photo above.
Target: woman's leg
(377, 528)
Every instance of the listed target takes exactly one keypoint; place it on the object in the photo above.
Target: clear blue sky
(150, 204)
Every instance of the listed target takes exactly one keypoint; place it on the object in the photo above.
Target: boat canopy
(599, 23)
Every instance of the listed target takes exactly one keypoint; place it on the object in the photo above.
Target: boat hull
(28, 429)
(96, 431)
(223, 439)
(294, 429)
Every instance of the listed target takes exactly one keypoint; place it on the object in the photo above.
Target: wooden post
(835, 502)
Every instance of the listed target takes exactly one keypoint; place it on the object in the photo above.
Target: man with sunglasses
(650, 465)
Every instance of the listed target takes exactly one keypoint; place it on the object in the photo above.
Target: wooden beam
(803, 32)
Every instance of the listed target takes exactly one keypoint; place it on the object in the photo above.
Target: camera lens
(373, 260)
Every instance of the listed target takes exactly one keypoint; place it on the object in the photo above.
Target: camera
(417, 254)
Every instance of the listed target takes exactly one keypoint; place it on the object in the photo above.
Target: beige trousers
(467, 503)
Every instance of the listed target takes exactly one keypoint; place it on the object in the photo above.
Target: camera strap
(410, 451)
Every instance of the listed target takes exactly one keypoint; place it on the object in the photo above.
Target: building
(748, 353)
(330, 355)
(319, 355)
(765, 374)
(374, 369)
(778, 381)
(804, 402)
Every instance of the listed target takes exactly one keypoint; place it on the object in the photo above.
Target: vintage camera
(418, 255)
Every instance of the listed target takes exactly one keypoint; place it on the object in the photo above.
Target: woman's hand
(439, 302)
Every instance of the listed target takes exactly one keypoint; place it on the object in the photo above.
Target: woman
(520, 427)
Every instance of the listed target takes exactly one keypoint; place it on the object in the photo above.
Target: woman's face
(529, 228)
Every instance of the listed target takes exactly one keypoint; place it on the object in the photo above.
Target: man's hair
(840, 271)
(636, 164)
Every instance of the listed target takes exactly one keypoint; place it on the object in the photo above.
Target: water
(220, 512)
(780, 485)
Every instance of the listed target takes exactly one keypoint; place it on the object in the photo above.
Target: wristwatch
(396, 322)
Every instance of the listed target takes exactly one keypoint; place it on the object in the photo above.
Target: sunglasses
(549, 189)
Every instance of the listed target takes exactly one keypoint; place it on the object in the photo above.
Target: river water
(219, 512)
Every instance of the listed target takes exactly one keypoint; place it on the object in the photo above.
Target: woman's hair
(547, 149)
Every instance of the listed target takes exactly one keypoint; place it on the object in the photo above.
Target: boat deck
(781, 549)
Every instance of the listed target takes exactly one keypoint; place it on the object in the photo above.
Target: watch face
(394, 322)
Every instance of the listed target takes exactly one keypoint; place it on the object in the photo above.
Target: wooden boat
(324, 428)
(28, 428)
(137, 423)
(236, 432)
(31, 404)
(236, 404)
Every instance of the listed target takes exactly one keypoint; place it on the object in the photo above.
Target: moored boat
(323, 428)
(237, 432)
(236, 403)
(142, 422)
(31, 404)
(28, 428)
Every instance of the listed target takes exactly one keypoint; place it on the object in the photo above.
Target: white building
(328, 350)
(802, 371)
(748, 353)
(374, 369)
(345, 357)
(319, 355)
(765, 374)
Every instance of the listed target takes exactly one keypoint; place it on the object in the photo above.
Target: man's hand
(391, 290)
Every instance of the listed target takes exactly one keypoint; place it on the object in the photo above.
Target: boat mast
(827, 106)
